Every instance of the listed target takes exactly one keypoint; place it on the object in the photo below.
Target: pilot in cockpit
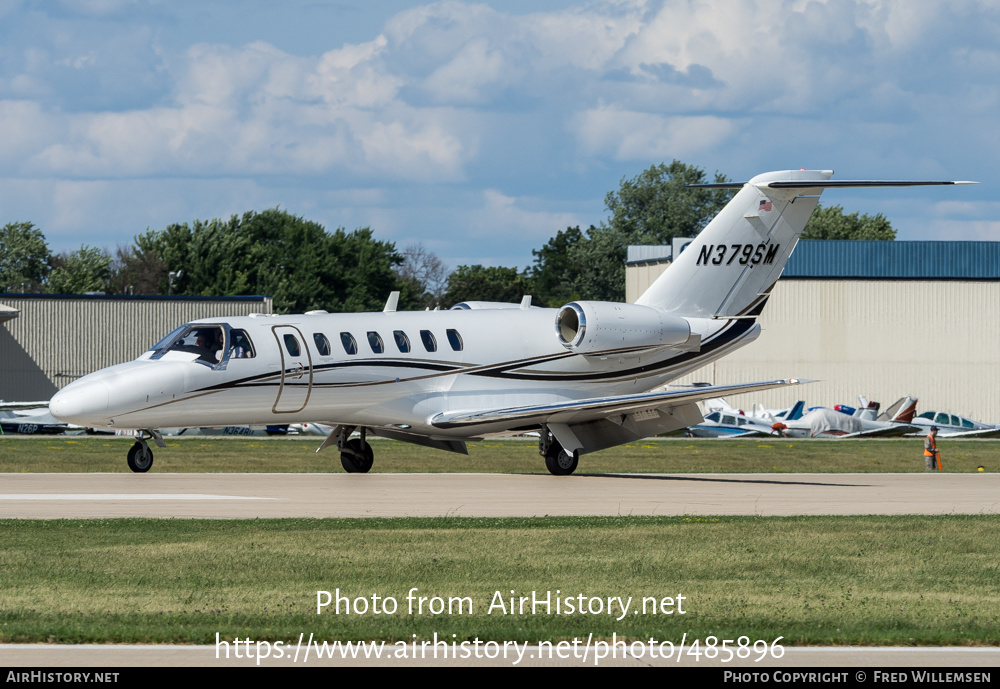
(209, 345)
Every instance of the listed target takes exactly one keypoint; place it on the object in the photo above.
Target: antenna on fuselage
(391, 302)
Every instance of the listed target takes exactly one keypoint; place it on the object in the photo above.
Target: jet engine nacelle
(590, 327)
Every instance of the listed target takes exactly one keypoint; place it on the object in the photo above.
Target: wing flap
(576, 411)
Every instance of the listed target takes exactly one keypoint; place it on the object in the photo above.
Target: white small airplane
(724, 421)
(586, 376)
(954, 426)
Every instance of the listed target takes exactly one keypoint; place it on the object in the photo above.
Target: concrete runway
(244, 496)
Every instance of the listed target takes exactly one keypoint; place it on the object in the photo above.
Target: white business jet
(586, 376)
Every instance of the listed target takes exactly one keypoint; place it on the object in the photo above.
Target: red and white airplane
(586, 376)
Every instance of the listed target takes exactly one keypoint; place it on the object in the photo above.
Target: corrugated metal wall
(56, 340)
(935, 340)
(895, 260)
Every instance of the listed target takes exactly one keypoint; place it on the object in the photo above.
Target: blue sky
(480, 129)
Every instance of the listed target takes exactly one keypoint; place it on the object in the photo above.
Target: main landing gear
(558, 461)
(140, 457)
(356, 455)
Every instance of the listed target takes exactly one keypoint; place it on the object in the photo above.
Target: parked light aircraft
(723, 421)
(821, 422)
(586, 376)
(954, 426)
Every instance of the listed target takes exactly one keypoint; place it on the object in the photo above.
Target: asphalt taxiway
(246, 496)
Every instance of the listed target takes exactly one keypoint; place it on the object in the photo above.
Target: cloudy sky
(480, 129)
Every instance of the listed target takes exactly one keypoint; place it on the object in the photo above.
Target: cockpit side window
(204, 340)
(240, 346)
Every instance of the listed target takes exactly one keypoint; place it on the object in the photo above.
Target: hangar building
(878, 318)
(48, 341)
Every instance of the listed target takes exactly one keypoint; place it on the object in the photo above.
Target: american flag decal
(764, 206)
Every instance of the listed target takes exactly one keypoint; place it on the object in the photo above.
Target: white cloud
(504, 217)
(624, 135)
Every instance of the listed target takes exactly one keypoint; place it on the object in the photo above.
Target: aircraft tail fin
(728, 271)
(901, 411)
(795, 413)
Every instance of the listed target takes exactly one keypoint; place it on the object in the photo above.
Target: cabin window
(966, 423)
(942, 419)
(929, 415)
(375, 341)
(322, 344)
(430, 343)
(240, 346)
(292, 345)
(350, 344)
(729, 420)
(455, 340)
(402, 341)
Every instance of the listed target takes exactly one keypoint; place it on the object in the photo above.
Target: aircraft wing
(894, 431)
(576, 411)
(979, 433)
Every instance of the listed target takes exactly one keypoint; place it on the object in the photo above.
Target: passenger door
(296, 370)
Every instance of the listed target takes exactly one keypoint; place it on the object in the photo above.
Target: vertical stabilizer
(730, 268)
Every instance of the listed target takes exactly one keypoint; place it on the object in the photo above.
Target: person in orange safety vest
(931, 451)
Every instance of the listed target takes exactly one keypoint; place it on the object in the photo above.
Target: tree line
(303, 266)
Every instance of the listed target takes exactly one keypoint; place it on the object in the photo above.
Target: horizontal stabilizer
(576, 411)
(828, 184)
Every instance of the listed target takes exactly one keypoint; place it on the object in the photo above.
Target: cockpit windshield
(213, 344)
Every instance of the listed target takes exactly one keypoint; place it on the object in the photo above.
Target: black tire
(561, 463)
(139, 461)
(352, 463)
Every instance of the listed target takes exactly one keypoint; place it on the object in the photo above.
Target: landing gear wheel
(561, 463)
(140, 458)
(359, 457)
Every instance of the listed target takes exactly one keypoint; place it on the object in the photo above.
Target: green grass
(674, 455)
(914, 580)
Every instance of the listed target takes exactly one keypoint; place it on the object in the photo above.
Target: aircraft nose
(84, 403)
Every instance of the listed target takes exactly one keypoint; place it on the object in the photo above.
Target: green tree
(656, 205)
(25, 259)
(296, 261)
(651, 208)
(830, 222)
(580, 265)
(482, 283)
(88, 269)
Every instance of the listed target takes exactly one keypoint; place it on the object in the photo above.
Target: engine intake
(591, 327)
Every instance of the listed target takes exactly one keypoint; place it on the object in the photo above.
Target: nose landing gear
(140, 457)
